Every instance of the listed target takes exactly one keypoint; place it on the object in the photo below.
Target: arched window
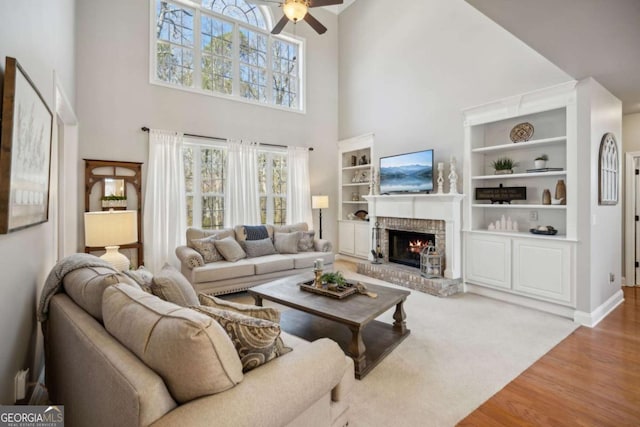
(237, 9)
(608, 171)
(224, 48)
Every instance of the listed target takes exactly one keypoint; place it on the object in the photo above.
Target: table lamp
(110, 229)
(320, 202)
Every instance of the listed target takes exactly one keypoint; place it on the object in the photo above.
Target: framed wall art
(608, 171)
(25, 151)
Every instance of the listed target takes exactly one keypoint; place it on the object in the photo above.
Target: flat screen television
(407, 173)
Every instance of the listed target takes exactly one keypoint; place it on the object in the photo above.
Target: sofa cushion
(223, 270)
(198, 233)
(265, 313)
(306, 259)
(230, 249)
(272, 263)
(255, 339)
(207, 248)
(86, 285)
(258, 248)
(190, 351)
(305, 244)
(170, 285)
(287, 243)
(301, 226)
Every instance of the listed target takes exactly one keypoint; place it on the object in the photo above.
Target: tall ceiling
(585, 38)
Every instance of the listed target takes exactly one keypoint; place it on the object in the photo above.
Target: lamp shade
(295, 10)
(110, 228)
(319, 202)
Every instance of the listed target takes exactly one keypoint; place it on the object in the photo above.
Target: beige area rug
(461, 351)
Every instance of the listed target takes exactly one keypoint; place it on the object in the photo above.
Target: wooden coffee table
(349, 321)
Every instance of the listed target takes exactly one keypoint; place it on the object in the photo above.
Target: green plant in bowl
(504, 165)
(333, 277)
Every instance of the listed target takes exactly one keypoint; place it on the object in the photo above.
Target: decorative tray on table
(338, 292)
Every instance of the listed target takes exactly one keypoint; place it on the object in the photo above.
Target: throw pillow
(256, 232)
(230, 249)
(287, 243)
(190, 351)
(142, 277)
(207, 248)
(306, 241)
(256, 248)
(170, 285)
(255, 340)
(265, 313)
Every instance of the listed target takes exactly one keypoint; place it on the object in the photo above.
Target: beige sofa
(221, 277)
(101, 382)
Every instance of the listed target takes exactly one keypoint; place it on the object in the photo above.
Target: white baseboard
(548, 307)
(592, 319)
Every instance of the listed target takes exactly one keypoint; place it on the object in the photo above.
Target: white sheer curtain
(298, 187)
(241, 193)
(165, 212)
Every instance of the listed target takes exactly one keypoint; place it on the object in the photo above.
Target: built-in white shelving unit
(355, 158)
(519, 264)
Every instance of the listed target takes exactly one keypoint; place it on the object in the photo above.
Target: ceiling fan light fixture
(295, 10)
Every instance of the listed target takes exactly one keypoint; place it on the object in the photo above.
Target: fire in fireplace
(405, 246)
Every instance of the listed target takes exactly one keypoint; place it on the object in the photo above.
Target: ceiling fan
(295, 10)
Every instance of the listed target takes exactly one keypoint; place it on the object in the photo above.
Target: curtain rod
(217, 138)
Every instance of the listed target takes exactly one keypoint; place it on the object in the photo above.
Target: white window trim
(196, 52)
(198, 195)
(270, 195)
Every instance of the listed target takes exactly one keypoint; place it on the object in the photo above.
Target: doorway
(631, 233)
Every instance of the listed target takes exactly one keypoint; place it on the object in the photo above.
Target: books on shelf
(544, 170)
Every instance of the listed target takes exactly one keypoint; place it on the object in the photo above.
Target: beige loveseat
(102, 382)
(221, 277)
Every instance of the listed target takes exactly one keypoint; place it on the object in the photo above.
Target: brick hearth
(410, 277)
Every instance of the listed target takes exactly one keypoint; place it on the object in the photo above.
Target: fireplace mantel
(445, 207)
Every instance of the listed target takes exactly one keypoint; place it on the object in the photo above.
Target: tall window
(205, 169)
(205, 173)
(272, 178)
(224, 48)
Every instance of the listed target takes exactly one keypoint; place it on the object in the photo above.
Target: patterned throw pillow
(255, 340)
(306, 241)
(170, 285)
(287, 243)
(207, 248)
(230, 249)
(264, 313)
(256, 232)
(257, 248)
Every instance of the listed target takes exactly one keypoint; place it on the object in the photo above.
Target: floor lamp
(320, 202)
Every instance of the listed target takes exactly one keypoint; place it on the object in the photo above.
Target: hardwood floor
(592, 378)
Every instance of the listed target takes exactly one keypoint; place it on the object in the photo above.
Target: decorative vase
(539, 164)
(561, 192)
(546, 197)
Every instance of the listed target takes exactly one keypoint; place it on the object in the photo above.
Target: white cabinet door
(542, 268)
(361, 240)
(346, 237)
(488, 260)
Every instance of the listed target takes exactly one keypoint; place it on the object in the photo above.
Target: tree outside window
(272, 180)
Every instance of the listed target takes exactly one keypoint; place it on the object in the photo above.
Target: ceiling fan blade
(315, 24)
(319, 3)
(280, 25)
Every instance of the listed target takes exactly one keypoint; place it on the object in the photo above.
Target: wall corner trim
(590, 320)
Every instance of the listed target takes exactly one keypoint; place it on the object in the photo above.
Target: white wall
(631, 132)
(40, 34)
(115, 98)
(599, 250)
(408, 69)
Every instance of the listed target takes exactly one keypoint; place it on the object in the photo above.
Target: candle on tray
(318, 264)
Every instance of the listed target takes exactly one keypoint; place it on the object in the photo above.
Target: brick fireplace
(403, 219)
